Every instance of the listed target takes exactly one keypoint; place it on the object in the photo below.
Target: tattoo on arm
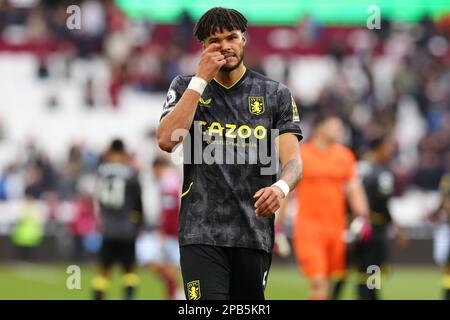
(292, 172)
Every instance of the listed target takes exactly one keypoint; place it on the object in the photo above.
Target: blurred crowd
(134, 55)
(56, 199)
(146, 57)
(37, 176)
(420, 82)
(382, 77)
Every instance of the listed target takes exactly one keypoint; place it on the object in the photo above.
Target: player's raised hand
(267, 201)
(210, 63)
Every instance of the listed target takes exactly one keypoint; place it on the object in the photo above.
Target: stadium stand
(64, 94)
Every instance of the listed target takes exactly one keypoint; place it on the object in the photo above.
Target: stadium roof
(288, 12)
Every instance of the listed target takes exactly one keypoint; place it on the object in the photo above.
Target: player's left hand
(282, 246)
(361, 229)
(267, 201)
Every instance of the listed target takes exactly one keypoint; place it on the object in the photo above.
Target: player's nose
(225, 45)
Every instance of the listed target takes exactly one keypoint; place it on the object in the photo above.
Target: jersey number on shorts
(111, 192)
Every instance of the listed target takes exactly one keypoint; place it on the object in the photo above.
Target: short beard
(229, 69)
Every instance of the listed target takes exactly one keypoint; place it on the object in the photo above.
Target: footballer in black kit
(118, 195)
(441, 218)
(378, 182)
(226, 226)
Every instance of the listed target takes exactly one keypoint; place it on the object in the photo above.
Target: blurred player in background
(378, 182)
(83, 225)
(159, 250)
(118, 194)
(28, 232)
(442, 234)
(329, 176)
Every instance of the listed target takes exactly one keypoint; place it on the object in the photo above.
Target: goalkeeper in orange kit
(329, 178)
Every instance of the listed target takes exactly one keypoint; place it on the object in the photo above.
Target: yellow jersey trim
(187, 191)
(245, 70)
(446, 282)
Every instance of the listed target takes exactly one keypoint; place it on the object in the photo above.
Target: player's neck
(116, 157)
(376, 158)
(230, 78)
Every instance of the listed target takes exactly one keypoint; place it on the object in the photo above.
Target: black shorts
(223, 273)
(373, 252)
(121, 251)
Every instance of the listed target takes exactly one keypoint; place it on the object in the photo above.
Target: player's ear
(244, 39)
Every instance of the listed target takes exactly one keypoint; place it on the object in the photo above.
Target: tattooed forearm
(292, 172)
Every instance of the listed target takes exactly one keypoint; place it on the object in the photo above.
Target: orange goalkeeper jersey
(321, 195)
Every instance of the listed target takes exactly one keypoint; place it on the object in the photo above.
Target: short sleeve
(287, 119)
(176, 90)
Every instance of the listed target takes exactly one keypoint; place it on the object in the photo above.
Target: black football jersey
(229, 154)
(118, 194)
(378, 182)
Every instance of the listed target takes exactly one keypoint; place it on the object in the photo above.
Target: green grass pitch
(39, 281)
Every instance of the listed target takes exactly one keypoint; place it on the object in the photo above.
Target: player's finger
(262, 213)
(212, 47)
(274, 208)
(214, 54)
(261, 208)
(219, 58)
(258, 193)
(266, 204)
(265, 213)
(262, 198)
(271, 202)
